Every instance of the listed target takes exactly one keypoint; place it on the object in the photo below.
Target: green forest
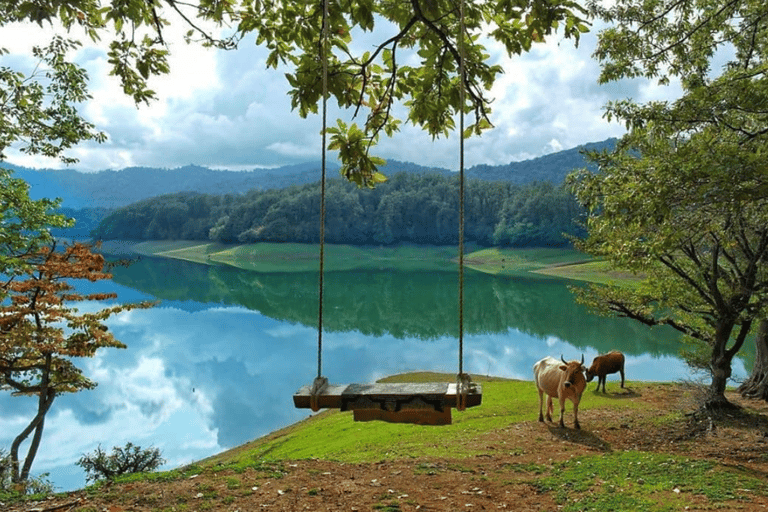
(408, 208)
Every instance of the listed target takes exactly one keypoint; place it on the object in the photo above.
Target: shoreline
(265, 257)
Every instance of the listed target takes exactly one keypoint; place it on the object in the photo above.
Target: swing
(427, 403)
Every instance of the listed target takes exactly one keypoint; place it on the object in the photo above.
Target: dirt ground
(495, 480)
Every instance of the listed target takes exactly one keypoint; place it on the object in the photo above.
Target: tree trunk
(45, 400)
(721, 372)
(32, 452)
(15, 470)
(720, 365)
(756, 386)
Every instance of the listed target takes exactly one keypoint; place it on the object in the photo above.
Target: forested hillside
(416, 208)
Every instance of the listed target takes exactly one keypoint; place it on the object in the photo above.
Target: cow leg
(602, 379)
(622, 376)
(576, 416)
(541, 405)
(550, 408)
(562, 411)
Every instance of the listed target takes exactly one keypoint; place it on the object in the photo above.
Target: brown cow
(564, 380)
(611, 362)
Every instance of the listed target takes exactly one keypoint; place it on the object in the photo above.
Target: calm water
(216, 363)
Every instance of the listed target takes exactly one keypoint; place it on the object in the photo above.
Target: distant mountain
(552, 168)
(395, 166)
(113, 189)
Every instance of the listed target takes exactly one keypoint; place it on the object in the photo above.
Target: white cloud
(225, 110)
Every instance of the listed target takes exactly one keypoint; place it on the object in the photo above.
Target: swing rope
(321, 382)
(324, 58)
(463, 380)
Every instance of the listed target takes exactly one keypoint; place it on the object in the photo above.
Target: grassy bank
(637, 451)
(290, 257)
(336, 436)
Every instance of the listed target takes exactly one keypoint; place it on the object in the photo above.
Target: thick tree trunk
(720, 365)
(756, 386)
(721, 372)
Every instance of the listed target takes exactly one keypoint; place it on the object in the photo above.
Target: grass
(607, 479)
(501, 261)
(591, 271)
(644, 481)
(293, 257)
(332, 435)
(621, 480)
(630, 480)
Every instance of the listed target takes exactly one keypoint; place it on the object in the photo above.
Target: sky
(225, 110)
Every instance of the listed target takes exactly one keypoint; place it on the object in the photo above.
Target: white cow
(561, 379)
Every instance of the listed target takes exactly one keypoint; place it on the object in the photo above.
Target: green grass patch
(338, 437)
(334, 435)
(598, 272)
(645, 481)
(506, 261)
(269, 257)
(293, 257)
(194, 251)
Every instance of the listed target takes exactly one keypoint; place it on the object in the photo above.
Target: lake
(215, 364)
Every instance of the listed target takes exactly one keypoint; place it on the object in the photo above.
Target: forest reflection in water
(421, 305)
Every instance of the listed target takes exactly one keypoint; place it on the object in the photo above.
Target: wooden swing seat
(426, 403)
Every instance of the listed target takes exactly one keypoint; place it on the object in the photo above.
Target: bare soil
(501, 478)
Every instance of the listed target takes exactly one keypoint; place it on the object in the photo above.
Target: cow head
(572, 371)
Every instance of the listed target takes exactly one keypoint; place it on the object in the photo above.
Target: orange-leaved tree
(42, 333)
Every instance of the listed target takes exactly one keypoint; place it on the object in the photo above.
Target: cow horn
(563, 359)
(582, 359)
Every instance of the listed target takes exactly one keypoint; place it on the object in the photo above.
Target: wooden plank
(388, 396)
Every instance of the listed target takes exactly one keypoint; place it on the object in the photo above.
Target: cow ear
(563, 367)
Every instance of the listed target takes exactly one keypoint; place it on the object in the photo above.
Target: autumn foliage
(42, 332)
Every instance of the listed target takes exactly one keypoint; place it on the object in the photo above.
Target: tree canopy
(418, 62)
(25, 225)
(683, 198)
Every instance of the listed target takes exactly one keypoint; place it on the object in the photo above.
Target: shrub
(39, 485)
(130, 459)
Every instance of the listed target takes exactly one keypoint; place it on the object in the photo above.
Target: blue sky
(225, 110)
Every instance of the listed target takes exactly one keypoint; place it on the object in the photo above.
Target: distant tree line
(411, 208)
